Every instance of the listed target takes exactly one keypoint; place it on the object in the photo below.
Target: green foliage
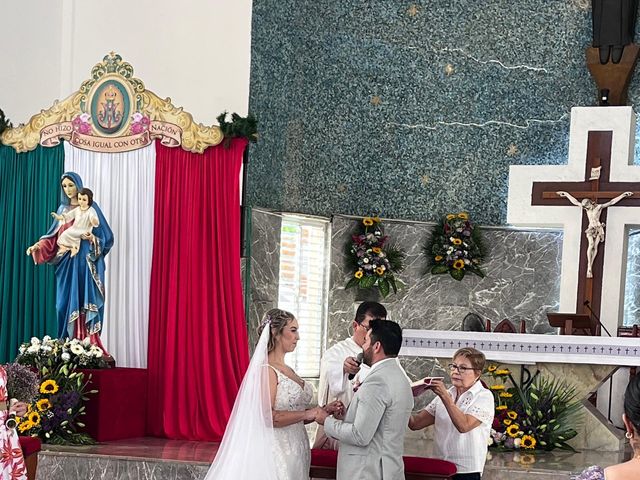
(373, 264)
(455, 247)
(4, 122)
(239, 127)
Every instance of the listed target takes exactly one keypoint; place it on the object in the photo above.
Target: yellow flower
(376, 219)
(49, 386)
(367, 221)
(43, 404)
(451, 216)
(464, 216)
(506, 395)
(376, 249)
(458, 264)
(456, 241)
(497, 387)
(499, 408)
(24, 426)
(34, 418)
(512, 430)
(358, 274)
(507, 421)
(504, 371)
(438, 258)
(528, 442)
(492, 368)
(380, 271)
(512, 415)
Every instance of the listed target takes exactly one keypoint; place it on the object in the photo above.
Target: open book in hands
(420, 386)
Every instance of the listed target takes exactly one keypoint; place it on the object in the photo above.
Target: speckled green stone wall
(411, 109)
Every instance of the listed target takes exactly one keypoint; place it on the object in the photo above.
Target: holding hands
(334, 408)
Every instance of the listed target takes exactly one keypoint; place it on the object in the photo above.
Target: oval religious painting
(110, 107)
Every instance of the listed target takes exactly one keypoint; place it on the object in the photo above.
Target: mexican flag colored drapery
(173, 286)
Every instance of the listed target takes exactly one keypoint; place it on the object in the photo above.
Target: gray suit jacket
(372, 433)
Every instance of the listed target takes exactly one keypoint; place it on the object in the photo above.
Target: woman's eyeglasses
(460, 368)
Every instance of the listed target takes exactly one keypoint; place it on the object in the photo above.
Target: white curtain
(123, 185)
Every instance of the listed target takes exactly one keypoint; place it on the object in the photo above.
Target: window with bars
(302, 289)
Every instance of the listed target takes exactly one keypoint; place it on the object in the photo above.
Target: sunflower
(49, 387)
(438, 258)
(512, 415)
(497, 387)
(507, 421)
(451, 216)
(376, 249)
(504, 371)
(513, 429)
(458, 264)
(380, 271)
(528, 442)
(506, 395)
(499, 408)
(463, 215)
(492, 368)
(358, 274)
(456, 241)
(367, 221)
(24, 426)
(34, 418)
(43, 404)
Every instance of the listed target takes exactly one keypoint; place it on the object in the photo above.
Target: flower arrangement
(455, 247)
(374, 264)
(54, 414)
(81, 124)
(139, 123)
(537, 415)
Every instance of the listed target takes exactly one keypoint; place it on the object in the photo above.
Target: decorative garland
(4, 122)
(239, 127)
(373, 263)
(455, 247)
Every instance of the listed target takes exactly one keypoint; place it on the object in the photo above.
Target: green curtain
(29, 192)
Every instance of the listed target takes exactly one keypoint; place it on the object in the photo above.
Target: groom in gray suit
(371, 435)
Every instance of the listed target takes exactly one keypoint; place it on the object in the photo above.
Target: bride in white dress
(265, 437)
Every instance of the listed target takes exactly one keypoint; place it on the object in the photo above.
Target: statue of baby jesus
(85, 218)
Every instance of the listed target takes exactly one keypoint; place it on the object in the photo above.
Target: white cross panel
(520, 212)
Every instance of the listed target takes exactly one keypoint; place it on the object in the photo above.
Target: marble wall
(412, 108)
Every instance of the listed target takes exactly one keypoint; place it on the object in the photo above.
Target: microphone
(359, 359)
(586, 304)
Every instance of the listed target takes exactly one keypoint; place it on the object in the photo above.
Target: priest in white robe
(340, 362)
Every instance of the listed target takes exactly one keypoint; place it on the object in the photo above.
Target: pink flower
(136, 128)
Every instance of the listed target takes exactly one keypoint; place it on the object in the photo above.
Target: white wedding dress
(292, 452)
(251, 446)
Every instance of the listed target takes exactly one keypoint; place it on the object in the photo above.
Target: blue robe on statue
(79, 279)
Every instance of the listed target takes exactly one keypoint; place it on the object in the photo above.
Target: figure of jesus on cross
(595, 229)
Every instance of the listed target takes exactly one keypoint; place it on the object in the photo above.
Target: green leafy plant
(541, 414)
(455, 247)
(239, 127)
(372, 262)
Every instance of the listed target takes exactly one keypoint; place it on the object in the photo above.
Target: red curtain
(198, 347)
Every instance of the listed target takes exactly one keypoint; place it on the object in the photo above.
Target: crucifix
(600, 174)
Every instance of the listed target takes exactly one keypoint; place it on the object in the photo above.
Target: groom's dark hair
(388, 333)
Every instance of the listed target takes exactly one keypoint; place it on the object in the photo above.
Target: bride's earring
(629, 435)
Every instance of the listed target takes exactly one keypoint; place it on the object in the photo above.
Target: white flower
(86, 342)
(46, 348)
(33, 349)
(97, 353)
(517, 442)
(22, 349)
(77, 349)
(365, 260)
(35, 341)
(46, 339)
(489, 441)
(65, 357)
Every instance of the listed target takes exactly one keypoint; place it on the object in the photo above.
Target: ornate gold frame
(195, 137)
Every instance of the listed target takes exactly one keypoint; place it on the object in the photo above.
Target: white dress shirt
(467, 450)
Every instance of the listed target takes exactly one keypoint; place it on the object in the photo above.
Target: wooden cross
(597, 187)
